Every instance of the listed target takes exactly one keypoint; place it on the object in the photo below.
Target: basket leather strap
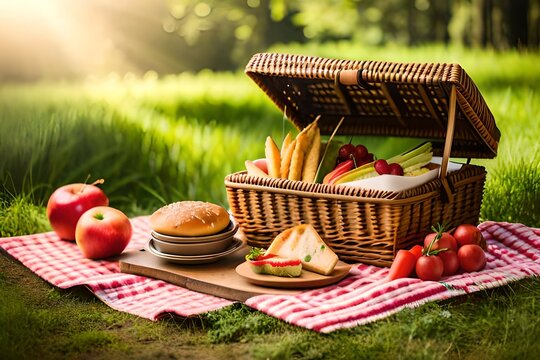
(343, 94)
(353, 77)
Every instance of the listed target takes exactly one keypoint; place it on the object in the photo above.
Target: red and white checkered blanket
(61, 263)
(362, 297)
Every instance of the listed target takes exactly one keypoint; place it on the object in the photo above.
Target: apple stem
(99, 216)
(98, 181)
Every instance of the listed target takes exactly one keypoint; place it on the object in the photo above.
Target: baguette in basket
(297, 159)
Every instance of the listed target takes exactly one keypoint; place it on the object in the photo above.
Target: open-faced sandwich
(297, 248)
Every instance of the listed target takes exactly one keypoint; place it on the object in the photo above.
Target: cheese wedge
(304, 243)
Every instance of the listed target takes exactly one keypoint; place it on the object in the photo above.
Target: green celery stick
(422, 158)
(426, 147)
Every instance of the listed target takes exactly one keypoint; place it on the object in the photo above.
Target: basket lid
(379, 98)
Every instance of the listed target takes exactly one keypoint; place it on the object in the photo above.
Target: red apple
(103, 232)
(261, 164)
(69, 202)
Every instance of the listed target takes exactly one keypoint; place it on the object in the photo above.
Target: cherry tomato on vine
(429, 267)
(446, 241)
(402, 266)
(450, 262)
(416, 250)
(469, 234)
(471, 257)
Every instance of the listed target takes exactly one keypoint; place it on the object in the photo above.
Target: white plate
(189, 249)
(195, 259)
(229, 231)
(400, 183)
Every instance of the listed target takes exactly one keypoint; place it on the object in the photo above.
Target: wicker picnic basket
(438, 102)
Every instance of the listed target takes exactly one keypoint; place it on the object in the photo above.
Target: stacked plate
(195, 249)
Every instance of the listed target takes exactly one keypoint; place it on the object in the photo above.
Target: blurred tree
(247, 26)
(70, 38)
(228, 32)
(534, 23)
(225, 34)
(499, 24)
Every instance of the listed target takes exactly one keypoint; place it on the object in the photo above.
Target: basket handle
(448, 143)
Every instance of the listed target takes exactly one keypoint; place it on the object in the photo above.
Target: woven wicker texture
(359, 225)
(376, 98)
(379, 98)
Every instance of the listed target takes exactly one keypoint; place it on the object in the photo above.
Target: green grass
(158, 141)
(153, 142)
(38, 321)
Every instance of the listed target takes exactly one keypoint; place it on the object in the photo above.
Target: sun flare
(40, 38)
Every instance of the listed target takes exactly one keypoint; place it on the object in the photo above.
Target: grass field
(160, 140)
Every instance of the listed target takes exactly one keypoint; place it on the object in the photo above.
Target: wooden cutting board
(219, 278)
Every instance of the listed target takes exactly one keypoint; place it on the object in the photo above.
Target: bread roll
(189, 218)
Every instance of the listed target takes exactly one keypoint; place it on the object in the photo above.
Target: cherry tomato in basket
(395, 169)
(360, 153)
(471, 257)
(429, 267)
(345, 151)
(446, 241)
(450, 262)
(469, 234)
(402, 266)
(381, 167)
